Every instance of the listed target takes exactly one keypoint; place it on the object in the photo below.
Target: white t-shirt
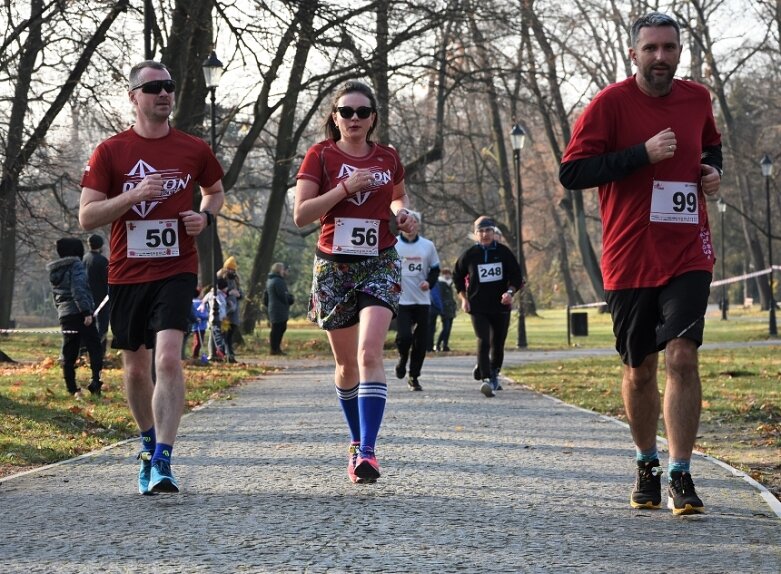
(417, 259)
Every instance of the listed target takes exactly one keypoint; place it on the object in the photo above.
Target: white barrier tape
(585, 305)
(742, 277)
(52, 331)
(36, 331)
(718, 283)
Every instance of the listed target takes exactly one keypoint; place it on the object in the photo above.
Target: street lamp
(722, 205)
(517, 138)
(767, 170)
(212, 72)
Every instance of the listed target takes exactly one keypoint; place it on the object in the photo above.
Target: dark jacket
(279, 299)
(70, 290)
(448, 301)
(479, 267)
(97, 274)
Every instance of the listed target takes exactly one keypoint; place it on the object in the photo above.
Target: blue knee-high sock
(163, 452)
(348, 399)
(371, 406)
(148, 440)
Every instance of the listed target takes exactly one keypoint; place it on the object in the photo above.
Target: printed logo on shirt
(380, 178)
(173, 182)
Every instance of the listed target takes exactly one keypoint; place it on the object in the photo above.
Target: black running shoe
(648, 485)
(401, 370)
(94, 387)
(414, 385)
(476, 373)
(681, 496)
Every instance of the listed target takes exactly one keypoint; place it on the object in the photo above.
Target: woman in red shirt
(352, 185)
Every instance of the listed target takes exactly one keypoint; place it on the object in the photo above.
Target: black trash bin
(578, 324)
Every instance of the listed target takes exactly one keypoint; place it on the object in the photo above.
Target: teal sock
(678, 465)
(148, 440)
(647, 455)
(163, 452)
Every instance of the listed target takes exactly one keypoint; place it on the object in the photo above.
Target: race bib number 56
(355, 236)
(152, 238)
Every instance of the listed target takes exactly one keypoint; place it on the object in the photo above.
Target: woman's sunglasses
(157, 86)
(347, 112)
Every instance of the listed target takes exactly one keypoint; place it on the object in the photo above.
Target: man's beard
(660, 84)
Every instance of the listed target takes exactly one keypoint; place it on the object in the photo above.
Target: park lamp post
(722, 206)
(517, 139)
(212, 72)
(767, 171)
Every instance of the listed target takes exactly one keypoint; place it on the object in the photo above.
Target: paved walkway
(519, 483)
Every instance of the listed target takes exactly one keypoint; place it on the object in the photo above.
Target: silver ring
(670, 147)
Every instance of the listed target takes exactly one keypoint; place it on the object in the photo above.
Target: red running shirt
(149, 242)
(654, 221)
(326, 165)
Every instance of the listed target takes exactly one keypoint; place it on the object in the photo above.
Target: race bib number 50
(153, 238)
(355, 236)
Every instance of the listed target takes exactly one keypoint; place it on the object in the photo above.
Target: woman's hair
(331, 131)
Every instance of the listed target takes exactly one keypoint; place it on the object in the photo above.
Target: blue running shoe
(162, 479)
(144, 471)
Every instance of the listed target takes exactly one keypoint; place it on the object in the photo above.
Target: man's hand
(711, 180)
(194, 221)
(150, 188)
(88, 320)
(424, 286)
(405, 221)
(661, 146)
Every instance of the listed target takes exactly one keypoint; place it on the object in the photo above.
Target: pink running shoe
(367, 469)
(352, 456)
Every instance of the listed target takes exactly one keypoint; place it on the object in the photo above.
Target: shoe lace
(683, 484)
(649, 474)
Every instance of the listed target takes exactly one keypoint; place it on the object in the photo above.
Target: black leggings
(491, 332)
(412, 335)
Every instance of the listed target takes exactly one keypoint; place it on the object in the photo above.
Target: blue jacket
(70, 290)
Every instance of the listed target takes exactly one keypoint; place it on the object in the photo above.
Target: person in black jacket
(487, 276)
(279, 302)
(96, 265)
(75, 306)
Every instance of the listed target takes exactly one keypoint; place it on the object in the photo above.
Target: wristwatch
(209, 217)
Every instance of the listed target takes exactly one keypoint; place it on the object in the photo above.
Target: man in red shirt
(651, 145)
(142, 181)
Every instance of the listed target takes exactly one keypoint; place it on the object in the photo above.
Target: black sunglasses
(157, 86)
(347, 112)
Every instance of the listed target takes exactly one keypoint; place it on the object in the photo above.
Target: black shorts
(645, 319)
(140, 310)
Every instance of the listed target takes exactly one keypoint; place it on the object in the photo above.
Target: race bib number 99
(489, 272)
(353, 236)
(674, 202)
(153, 238)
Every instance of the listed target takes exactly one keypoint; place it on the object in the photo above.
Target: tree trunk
(18, 152)
(287, 142)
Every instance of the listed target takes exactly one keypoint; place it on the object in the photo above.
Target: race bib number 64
(152, 238)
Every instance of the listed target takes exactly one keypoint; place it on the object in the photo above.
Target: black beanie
(70, 247)
(95, 241)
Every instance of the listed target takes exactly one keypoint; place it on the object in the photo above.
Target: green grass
(741, 421)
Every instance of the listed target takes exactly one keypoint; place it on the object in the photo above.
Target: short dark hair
(135, 71)
(653, 20)
(331, 131)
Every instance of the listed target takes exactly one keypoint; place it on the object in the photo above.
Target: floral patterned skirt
(334, 303)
